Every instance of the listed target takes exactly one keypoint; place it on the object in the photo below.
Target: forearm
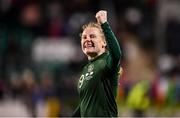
(112, 43)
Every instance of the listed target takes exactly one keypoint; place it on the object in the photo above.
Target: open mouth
(88, 44)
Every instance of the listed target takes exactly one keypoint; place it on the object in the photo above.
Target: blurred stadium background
(41, 57)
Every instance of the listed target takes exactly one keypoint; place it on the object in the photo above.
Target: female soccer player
(99, 78)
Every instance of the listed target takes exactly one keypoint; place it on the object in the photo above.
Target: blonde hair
(95, 25)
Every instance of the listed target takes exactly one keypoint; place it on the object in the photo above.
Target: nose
(88, 38)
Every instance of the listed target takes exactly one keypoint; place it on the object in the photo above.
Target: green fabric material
(98, 82)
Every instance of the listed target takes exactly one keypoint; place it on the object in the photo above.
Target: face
(92, 42)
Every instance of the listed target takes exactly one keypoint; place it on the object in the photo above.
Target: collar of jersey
(99, 56)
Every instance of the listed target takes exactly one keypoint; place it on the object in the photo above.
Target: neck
(93, 56)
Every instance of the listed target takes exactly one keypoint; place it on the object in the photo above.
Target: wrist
(104, 23)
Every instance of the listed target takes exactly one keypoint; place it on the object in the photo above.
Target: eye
(92, 36)
(84, 37)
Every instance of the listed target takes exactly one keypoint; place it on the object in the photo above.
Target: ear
(104, 44)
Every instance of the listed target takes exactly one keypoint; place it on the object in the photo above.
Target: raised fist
(101, 16)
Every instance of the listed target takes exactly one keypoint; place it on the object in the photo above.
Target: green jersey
(99, 80)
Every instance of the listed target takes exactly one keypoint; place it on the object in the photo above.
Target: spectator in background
(29, 87)
(56, 21)
(138, 99)
(52, 101)
(32, 18)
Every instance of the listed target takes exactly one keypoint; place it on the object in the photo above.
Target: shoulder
(106, 59)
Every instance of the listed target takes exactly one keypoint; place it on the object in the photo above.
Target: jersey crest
(90, 68)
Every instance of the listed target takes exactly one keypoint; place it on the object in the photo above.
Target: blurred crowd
(41, 57)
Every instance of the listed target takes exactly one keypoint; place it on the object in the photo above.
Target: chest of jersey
(91, 76)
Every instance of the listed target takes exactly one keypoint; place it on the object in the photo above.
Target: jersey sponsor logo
(89, 73)
(88, 77)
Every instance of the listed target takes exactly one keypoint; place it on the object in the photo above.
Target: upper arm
(112, 44)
